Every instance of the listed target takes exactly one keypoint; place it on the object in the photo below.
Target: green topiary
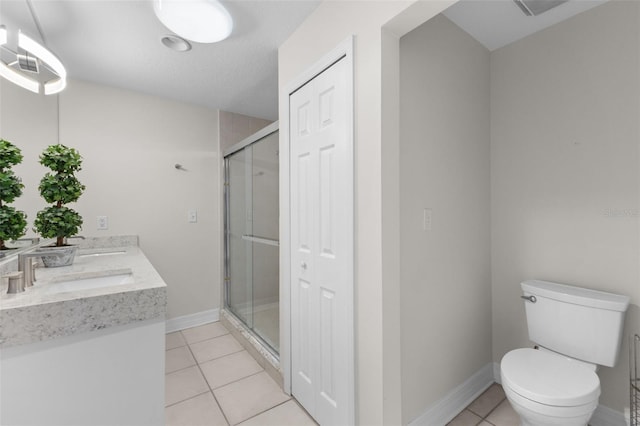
(60, 187)
(13, 223)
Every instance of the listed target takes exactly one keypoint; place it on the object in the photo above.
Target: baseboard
(457, 400)
(496, 373)
(605, 416)
(192, 320)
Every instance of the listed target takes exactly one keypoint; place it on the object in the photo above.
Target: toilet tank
(577, 322)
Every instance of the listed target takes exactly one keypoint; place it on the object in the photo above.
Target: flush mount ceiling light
(202, 21)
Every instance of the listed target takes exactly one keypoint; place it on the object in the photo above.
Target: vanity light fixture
(202, 21)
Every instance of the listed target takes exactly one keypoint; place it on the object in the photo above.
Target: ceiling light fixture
(30, 56)
(54, 64)
(11, 74)
(202, 21)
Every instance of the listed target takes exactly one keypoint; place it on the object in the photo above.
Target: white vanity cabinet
(89, 357)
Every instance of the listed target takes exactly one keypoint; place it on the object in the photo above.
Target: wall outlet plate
(103, 223)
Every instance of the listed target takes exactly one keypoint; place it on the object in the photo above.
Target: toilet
(576, 330)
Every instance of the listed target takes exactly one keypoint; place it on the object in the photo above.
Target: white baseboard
(496, 373)
(457, 400)
(603, 416)
(192, 320)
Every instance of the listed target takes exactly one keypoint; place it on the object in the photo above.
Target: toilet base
(535, 414)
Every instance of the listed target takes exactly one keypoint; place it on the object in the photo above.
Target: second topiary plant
(59, 187)
(13, 223)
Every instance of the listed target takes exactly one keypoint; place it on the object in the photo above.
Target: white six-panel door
(321, 214)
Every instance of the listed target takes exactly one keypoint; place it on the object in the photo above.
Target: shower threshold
(260, 350)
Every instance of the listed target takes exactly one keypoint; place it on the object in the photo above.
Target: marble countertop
(41, 314)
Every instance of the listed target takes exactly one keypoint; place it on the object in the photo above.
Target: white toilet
(576, 330)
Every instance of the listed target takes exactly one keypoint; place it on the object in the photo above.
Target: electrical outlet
(192, 216)
(103, 223)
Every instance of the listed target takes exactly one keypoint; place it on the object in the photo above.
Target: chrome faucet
(25, 264)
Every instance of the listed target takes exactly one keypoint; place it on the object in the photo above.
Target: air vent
(27, 63)
(537, 7)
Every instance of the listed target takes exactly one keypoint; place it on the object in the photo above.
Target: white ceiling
(496, 23)
(117, 43)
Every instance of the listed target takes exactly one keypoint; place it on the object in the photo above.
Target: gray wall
(564, 169)
(444, 165)
(130, 143)
(561, 111)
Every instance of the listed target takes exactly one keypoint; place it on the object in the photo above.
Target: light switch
(193, 216)
(426, 219)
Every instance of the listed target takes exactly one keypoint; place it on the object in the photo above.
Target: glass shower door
(252, 253)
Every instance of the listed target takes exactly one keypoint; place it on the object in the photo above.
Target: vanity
(85, 345)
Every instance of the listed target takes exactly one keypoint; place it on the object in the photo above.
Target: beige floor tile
(174, 340)
(215, 348)
(184, 384)
(466, 418)
(489, 400)
(177, 359)
(204, 332)
(287, 414)
(504, 415)
(227, 369)
(201, 410)
(245, 398)
(485, 423)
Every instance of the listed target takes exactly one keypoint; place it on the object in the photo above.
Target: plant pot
(64, 256)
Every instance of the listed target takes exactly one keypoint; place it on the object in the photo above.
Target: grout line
(494, 409)
(226, 419)
(211, 390)
(262, 412)
(207, 339)
(186, 399)
(213, 359)
(179, 369)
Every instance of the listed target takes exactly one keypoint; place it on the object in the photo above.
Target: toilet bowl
(547, 389)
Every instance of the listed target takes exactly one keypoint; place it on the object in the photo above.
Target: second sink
(84, 281)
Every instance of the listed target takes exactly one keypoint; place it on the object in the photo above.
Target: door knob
(303, 265)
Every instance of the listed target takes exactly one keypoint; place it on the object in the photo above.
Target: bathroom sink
(102, 253)
(78, 282)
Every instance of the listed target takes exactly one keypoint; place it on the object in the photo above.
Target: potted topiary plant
(13, 223)
(59, 187)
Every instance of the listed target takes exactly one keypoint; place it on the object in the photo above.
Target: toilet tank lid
(576, 295)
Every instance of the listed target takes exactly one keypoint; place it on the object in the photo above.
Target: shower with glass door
(251, 235)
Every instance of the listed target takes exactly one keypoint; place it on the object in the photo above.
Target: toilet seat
(549, 379)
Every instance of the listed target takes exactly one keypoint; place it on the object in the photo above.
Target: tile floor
(211, 380)
(490, 408)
